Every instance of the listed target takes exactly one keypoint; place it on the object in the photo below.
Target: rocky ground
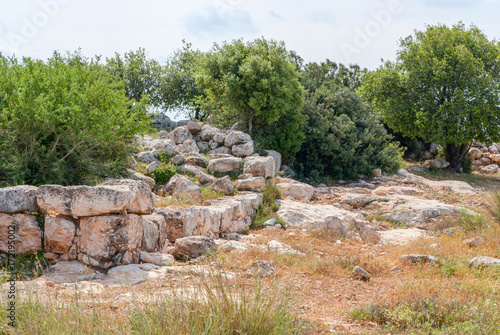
(344, 246)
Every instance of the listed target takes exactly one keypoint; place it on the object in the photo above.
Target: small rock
(152, 166)
(416, 258)
(192, 246)
(264, 268)
(474, 241)
(394, 268)
(205, 178)
(157, 258)
(359, 273)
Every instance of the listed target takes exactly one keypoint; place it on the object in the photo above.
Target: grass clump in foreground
(207, 305)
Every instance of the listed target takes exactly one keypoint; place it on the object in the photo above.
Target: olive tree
(444, 87)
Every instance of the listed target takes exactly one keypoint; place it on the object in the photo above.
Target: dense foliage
(64, 121)
(444, 88)
(256, 84)
(179, 90)
(344, 137)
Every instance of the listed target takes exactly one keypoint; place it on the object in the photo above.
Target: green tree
(256, 84)
(66, 121)
(443, 88)
(179, 90)
(140, 75)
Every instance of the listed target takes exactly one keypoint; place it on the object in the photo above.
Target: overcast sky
(356, 31)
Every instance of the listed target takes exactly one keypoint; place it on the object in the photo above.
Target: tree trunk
(455, 154)
(250, 123)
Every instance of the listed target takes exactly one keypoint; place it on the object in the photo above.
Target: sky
(355, 31)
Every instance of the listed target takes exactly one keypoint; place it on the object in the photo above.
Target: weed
(163, 174)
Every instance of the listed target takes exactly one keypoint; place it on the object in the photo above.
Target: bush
(163, 174)
(65, 121)
(344, 138)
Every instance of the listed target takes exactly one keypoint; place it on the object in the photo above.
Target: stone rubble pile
(486, 159)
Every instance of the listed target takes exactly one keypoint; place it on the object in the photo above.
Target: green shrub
(344, 138)
(64, 121)
(267, 210)
(163, 174)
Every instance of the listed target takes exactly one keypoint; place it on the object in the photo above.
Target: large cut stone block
(18, 199)
(27, 236)
(84, 200)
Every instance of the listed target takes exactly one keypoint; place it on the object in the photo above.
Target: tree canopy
(255, 83)
(444, 87)
(64, 121)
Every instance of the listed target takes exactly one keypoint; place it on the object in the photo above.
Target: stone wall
(112, 223)
(486, 158)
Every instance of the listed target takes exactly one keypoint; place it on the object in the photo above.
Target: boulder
(175, 222)
(59, 234)
(242, 150)
(439, 163)
(334, 228)
(495, 158)
(82, 201)
(194, 127)
(490, 169)
(152, 166)
(115, 238)
(205, 178)
(483, 261)
(295, 190)
(493, 149)
(223, 185)
(196, 159)
(191, 170)
(18, 199)
(475, 153)
(183, 187)
(141, 177)
(150, 237)
(302, 215)
(259, 166)
(164, 146)
(157, 258)
(253, 184)
(192, 246)
(225, 165)
(27, 235)
(236, 137)
(219, 138)
(132, 163)
(180, 134)
(203, 146)
(218, 151)
(178, 160)
(162, 134)
(208, 132)
(146, 157)
(359, 273)
(161, 225)
(189, 146)
(277, 160)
